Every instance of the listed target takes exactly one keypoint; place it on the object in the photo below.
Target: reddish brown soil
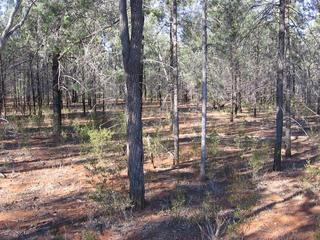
(45, 192)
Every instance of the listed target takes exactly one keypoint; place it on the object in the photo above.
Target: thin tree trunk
(318, 103)
(103, 103)
(56, 96)
(232, 94)
(279, 88)
(39, 97)
(28, 88)
(239, 87)
(23, 89)
(287, 139)
(1, 84)
(204, 92)
(15, 101)
(159, 95)
(48, 85)
(175, 83)
(256, 80)
(32, 86)
(84, 104)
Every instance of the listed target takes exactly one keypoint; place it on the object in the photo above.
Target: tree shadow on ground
(69, 211)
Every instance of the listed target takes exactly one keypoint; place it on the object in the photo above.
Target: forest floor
(46, 187)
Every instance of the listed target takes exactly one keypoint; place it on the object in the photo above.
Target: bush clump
(112, 202)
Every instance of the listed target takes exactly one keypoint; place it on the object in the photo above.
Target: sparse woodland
(163, 119)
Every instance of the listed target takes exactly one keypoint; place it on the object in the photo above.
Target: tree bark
(175, 82)
(83, 104)
(2, 90)
(288, 134)
(256, 80)
(204, 91)
(56, 96)
(279, 88)
(32, 87)
(39, 97)
(131, 53)
(232, 92)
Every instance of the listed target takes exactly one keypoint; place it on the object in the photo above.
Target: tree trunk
(47, 84)
(175, 82)
(256, 80)
(28, 91)
(32, 87)
(56, 96)
(2, 90)
(131, 53)
(15, 101)
(232, 95)
(84, 104)
(287, 139)
(39, 97)
(103, 103)
(318, 103)
(279, 88)
(238, 87)
(204, 92)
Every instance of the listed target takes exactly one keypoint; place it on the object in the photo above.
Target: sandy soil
(45, 190)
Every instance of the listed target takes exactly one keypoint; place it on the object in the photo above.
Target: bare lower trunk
(204, 93)
(131, 53)
(279, 89)
(83, 98)
(2, 90)
(288, 134)
(134, 139)
(318, 104)
(232, 99)
(56, 96)
(39, 97)
(175, 82)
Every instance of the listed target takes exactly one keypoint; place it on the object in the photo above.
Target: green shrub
(88, 235)
(242, 193)
(247, 142)
(112, 202)
(312, 176)
(82, 132)
(122, 121)
(19, 124)
(208, 207)
(99, 139)
(258, 159)
(37, 120)
(153, 146)
(244, 142)
(213, 143)
(178, 201)
(3, 132)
